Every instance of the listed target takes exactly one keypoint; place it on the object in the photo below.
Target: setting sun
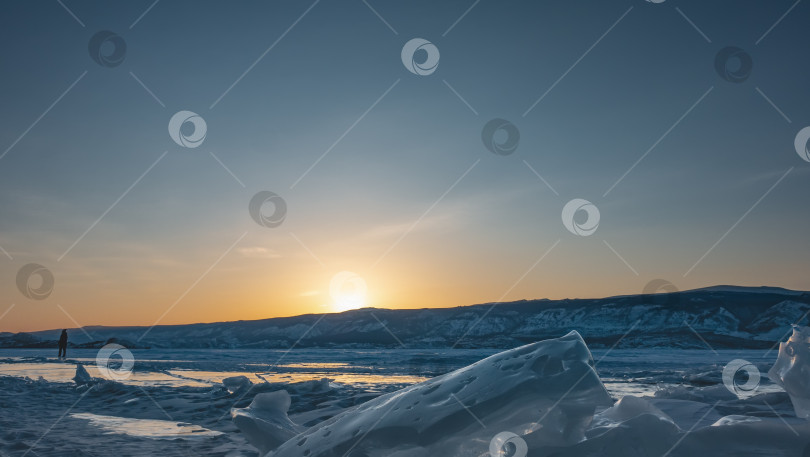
(348, 291)
(348, 301)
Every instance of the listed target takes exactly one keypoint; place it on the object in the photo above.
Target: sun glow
(349, 301)
(348, 291)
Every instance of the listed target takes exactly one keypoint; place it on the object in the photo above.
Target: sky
(392, 195)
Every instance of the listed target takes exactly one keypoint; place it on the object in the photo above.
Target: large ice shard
(236, 384)
(545, 393)
(82, 376)
(265, 422)
(792, 370)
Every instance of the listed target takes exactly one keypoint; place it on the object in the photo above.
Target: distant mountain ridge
(719, 316)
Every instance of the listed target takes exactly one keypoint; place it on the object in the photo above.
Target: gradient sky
(387, 201)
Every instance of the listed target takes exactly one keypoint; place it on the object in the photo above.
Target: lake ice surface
(177, 393)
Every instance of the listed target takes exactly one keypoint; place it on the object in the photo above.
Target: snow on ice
(548, 398)
(540, 400)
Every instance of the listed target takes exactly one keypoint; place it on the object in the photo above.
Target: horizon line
(658, 292)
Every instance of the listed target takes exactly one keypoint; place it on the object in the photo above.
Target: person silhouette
(63, 339)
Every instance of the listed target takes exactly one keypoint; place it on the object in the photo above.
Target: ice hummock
(82, 376)
(237, 383)
(792, 370)
(546, 393)
(541, 400)
(265, 422)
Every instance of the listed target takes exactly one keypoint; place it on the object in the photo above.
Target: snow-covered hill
(723, 316)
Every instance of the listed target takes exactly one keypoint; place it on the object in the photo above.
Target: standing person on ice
(63, 344)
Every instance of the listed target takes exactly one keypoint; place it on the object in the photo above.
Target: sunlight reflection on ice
(64, 372)
(146, 428)
(343, 378)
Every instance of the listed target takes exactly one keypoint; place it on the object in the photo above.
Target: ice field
(673, 402)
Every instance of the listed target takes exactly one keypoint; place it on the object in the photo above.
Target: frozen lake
(624, 371)
(174, 403)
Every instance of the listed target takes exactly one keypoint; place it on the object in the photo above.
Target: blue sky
(407, 196)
